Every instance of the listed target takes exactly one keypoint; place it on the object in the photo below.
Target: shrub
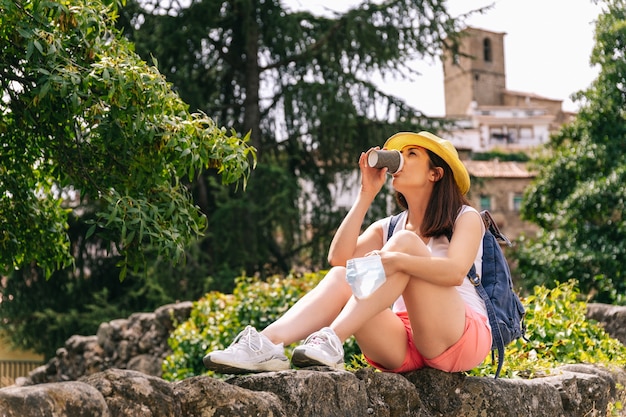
(558, 330)
(501, 156)
(558, 333)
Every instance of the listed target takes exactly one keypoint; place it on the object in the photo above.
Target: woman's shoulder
(469, 209)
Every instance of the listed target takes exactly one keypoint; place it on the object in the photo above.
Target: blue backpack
(495, 287)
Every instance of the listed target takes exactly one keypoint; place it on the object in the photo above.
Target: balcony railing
(11, 370)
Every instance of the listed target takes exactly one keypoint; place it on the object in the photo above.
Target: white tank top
(439, 247)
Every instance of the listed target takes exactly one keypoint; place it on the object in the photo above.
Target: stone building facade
(488, 117)
(476, 74)
(499, 187)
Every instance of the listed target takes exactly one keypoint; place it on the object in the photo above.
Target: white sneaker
(321, 348)
(250, 352)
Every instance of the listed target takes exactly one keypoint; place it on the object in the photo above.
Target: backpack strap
(491, 314)
(392, 225)
(490, 227)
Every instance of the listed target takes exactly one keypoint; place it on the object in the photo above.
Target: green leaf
(37, 45)
(90, 231)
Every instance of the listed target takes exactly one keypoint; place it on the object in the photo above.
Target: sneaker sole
(301, 360)
(273, 365)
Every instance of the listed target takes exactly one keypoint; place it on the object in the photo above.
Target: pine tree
(302, 86)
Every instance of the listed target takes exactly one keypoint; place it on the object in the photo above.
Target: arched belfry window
(487, 55)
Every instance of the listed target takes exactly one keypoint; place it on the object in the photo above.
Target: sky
(547, 47)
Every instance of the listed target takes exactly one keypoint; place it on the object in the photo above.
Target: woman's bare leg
(317, 309)
(437, 313)
(384, 339)
(437, 316)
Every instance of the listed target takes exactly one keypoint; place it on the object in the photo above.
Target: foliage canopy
(83, 114)
(579, 197)
(303, 85)
(83, 117)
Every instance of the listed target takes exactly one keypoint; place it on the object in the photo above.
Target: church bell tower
(477, 75)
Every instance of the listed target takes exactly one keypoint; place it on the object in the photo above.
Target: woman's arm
(449, 270)
(348, 242)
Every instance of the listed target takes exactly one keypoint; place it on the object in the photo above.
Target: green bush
(501, 156)
(216, 319)
(558, 330)
(558, 333)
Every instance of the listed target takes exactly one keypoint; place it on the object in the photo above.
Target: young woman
(437, 319)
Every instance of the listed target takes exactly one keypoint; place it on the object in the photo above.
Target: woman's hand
(386, 259)
(348, 241)
(372, 179)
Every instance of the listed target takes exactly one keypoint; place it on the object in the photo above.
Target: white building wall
(488, 128)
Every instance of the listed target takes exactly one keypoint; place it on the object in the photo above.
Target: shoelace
(320, 338)
(246, 337)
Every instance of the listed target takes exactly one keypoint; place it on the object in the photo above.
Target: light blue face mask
(365, 275)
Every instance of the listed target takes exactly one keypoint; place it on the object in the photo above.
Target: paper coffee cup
(382, 158)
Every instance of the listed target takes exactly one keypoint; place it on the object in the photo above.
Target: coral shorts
(467, 353)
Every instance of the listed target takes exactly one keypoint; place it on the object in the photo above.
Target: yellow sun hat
(442, 147)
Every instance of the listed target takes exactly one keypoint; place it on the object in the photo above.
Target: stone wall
(612, 318)
(116, 373)
(138, 343)
(572, 391)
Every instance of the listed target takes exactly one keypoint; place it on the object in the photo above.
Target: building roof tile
(498, 169)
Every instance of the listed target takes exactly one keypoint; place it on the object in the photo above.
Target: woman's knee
(384, 340)
(336, 273)
(336, 278)
(407, 242)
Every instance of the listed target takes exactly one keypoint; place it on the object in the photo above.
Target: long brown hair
(445, 202)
